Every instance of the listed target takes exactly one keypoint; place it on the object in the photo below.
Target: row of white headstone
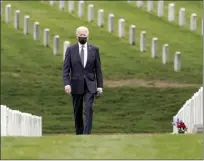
(191, 113)
(16, 123)
(171, 13)
(121, 30)
(36, 30)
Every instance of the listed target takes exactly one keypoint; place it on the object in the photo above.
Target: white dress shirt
(85, 52)
(85, 47)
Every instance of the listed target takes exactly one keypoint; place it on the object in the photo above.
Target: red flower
(181, 124)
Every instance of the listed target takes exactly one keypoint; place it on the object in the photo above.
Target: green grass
(190, 6)
(31, 76)
(164, 146)
(166, 32)
(31, 82)
(121, 60)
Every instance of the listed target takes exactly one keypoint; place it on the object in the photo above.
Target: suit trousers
(83, 126)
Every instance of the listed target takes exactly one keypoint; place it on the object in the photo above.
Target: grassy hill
(179, 39)
(190, 7)
(121, 60)
(140, 95)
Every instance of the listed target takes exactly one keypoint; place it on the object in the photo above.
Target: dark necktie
(82, 55)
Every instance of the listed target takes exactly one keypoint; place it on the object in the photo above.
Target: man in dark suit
(82, 78)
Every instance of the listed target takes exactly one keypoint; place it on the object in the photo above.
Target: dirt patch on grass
(145, 83)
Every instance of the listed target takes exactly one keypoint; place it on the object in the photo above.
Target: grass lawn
(31, 76)
(156, 146)
(190, 7)
(179, 39)
(121, 60)
(31, 82)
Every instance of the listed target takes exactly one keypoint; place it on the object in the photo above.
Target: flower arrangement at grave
(181, 126)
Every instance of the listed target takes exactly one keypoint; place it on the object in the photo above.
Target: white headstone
(171, 12)
(56, 45)
(193, 23)
(71, 6)
(66, 45)
(40, 127)
(36, 30)
(7, 13)
(51, 3)
(9, 123)
(37, 124)
(18, 119)
(29, 124)
(90, 12)
(80, 8)
(182, 17)
(12, 123)
(132, 34)
(3, 120)
(165, 53)
(17, 19)
(100, 18)
(61, 4)
(142, 41)
(111, 22)
(149, 6)
(26, 124)
(35, 130)
(154, 47)
(15, 122)
(160, 8)
(46, 37)
(139, 4)
(33, 125)
(26, 28)
(121, 27)
(177, 61)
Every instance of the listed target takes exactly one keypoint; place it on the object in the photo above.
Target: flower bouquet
(181, 126)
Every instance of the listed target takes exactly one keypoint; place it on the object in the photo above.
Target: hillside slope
(121, 60)
(190, 7)
(140, 95)
(31, 82)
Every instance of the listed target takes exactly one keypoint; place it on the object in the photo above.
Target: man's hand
(67, 89)
(99, 91)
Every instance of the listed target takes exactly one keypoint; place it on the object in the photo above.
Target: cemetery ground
(121, 60)
(31, 82)
(135, 146)
(190, 7)
(152, 93)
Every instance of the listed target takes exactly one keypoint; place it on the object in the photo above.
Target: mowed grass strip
(121, 60)
(164, 146)
(31, 82)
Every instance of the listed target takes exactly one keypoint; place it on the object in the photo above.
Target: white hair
(82, 31)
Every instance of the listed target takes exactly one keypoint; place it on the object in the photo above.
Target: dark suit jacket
(74, 74)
